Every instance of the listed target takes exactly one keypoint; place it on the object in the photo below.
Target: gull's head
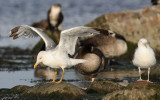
(143, 42)
(40, 58)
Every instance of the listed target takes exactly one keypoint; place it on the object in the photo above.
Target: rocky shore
(133, 25)
(105, 90)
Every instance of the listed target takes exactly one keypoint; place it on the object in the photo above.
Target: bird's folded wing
(69, 37)
(30, 32)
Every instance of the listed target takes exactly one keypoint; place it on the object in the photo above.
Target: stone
(136, 91)
(19, 89)
(54, 91)
(103, 87)
(133, 24)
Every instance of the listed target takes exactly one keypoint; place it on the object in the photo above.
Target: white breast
(144, 57)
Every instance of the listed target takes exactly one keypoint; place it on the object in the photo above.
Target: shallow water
(16, 68)
(31, 77)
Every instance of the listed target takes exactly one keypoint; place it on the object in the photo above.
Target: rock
(103, 87)
(136, 91)
(143, 85)
(13, 93)
(19, 88)
(4, 92)
(55, 91)
(133, 24)
(154, 74)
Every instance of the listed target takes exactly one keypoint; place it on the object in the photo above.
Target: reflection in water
(118, 74)
(73, 77)
(44, 74)
(13, 71)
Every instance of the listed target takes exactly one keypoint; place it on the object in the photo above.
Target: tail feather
(77, 61)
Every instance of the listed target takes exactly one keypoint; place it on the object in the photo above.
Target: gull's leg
(61, 77)
(54, 78)
(140, 79)
(148, 75)
(55, 74)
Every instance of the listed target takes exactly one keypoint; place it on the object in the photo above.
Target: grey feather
(31, 32)
(69, 37)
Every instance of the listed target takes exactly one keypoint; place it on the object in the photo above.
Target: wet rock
(136, 91)
(143, 85)
(55, 91)
(133, 24)
(19, 88)
(154, 74)
(4, 92)
(103, 87)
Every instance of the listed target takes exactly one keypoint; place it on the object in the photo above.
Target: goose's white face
(40, 58)
(143, 43)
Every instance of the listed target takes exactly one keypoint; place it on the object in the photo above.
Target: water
(76, 13)
(17, 68)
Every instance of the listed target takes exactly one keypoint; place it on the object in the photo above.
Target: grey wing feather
(69, 37)
(31, 32)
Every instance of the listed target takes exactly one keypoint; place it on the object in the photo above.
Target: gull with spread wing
(56, 56)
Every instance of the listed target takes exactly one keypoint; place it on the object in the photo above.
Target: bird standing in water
(144, 57)
(56, 56)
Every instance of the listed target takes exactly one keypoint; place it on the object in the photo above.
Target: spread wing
(30, 32)
(69, 37)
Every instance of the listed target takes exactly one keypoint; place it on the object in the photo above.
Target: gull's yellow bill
(35, 65)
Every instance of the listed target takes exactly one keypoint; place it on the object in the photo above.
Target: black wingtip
(13, 32)
(15, 36)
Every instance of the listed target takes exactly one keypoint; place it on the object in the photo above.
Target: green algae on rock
(136, 91)
(103, 87)
(58, 91)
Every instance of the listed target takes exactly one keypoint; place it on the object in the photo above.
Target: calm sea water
(76, 13)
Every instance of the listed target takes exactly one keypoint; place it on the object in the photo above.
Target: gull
(144, 57)
(56, 56)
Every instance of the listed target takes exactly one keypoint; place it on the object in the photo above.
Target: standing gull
(144, 57)
(55, 56)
